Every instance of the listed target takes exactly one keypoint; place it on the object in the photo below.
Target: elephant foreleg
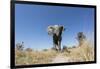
(54, 45)
(59, 45)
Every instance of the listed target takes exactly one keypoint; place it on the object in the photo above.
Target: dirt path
(60, 58)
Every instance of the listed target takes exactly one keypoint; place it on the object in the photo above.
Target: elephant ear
(50, 30)
(62, 28)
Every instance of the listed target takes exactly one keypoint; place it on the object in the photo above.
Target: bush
(20, 46)
(65, 49)
(85, 52)
(28, 49)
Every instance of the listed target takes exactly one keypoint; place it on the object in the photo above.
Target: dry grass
(34, 57)
(84, 52)
(81, 53)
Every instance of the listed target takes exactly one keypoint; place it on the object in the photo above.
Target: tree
(81, 37)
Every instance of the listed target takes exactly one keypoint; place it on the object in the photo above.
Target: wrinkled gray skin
(56, 32)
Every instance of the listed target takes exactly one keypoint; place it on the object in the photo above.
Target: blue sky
(31, 22)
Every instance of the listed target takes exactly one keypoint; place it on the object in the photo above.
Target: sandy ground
(60, 59)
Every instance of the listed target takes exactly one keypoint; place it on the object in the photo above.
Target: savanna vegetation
(26, 57)
(80, 53)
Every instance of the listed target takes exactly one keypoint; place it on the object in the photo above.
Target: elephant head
(56, 31)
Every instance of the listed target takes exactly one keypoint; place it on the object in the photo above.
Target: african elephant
(56, 32)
